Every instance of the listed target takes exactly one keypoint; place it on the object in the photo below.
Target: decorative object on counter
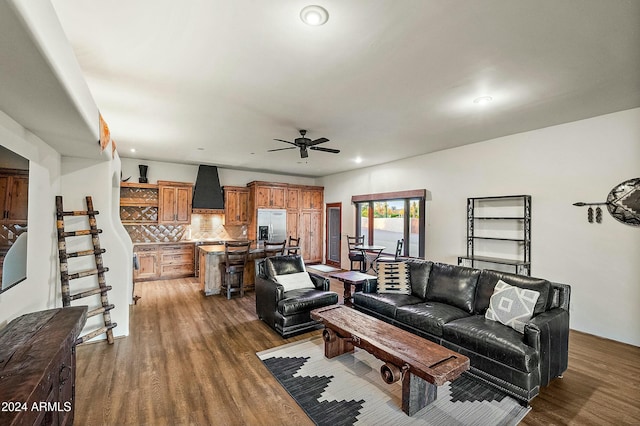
(102, 288)
(623, 203)
(143, 173)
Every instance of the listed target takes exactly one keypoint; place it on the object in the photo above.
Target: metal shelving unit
(500, 212)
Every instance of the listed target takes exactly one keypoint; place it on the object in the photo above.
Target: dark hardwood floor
(190, 359)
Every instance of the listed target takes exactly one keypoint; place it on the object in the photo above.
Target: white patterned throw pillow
(295, 281)
(512, 306)
(393, 278)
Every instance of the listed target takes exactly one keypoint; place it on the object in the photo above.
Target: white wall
(41, 289)
(187, 173)
(101, 180)
(557, 166)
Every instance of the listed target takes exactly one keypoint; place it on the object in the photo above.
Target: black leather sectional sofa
(447, 305)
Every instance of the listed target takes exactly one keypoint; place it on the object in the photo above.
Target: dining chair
(355, 255)
(272, 248)
(399, 245)
(294, 245)
(236, 254)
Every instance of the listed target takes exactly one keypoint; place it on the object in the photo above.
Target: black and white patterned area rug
(348, 390)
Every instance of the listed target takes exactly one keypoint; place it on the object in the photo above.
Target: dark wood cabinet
(38, 367)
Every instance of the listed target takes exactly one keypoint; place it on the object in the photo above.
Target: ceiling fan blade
(281, 140)
(319, 148)
(281, 149)
(318, 141)
(303, 152)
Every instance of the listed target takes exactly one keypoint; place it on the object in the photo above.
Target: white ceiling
(215, 81)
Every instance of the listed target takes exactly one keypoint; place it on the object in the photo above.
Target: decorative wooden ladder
(102, 289)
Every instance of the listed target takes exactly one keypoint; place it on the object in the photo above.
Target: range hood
(207, 193)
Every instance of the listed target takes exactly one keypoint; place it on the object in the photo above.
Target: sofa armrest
(268, 294)
(548, 333)
(370, 286)
(320, 282)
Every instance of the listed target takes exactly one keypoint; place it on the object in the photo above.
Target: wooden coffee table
(351, 278)
(422, 365)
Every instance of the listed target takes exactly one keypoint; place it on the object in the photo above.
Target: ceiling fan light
(314, 15)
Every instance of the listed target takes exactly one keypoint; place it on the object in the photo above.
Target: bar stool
(294, 245)
(236, 254)
(274, 248)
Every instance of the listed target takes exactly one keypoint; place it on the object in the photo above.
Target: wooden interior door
(334, 232)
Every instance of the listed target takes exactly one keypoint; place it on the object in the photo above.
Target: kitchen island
(212, 268)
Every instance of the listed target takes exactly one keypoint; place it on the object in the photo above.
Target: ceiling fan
(303, 143)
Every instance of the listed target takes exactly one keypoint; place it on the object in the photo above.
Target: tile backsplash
(203, 226)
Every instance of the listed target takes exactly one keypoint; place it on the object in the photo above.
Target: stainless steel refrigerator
(272, 225)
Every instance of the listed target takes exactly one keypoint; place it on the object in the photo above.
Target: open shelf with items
(138, 203)
(499, 233)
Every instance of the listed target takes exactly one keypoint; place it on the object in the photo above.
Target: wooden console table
(38, 367)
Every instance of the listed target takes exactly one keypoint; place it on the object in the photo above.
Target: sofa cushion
(492, 340)
(419, 276)
(511, 305)
(488, 280)
(453, 285)
(429, 317)
(304, 300)
(393, 278)
(384, 304)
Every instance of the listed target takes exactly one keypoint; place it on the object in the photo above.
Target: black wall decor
(623, 203)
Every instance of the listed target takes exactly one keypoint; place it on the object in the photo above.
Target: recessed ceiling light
(314, 15)
(133, 150)
(200, 149)
(482, 100)
(358, 160)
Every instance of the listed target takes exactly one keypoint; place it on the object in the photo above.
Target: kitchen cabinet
(177, 260)
(138, 203)
(147, 263)
(164, 261)
(312, 198)
(293, 218)
(310, 228)
(293, 198)
(14, 196)
(174, 202)
(270, 196)
(236, 205)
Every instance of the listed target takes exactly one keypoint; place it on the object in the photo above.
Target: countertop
(204, 242)
(219, 249)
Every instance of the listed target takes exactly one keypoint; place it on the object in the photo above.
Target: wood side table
(351, 278)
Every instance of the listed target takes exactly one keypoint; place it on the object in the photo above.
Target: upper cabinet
(14, 196)
(269, 196)
(293, 198)
(236, 205)
(174, 202)
(312, 198)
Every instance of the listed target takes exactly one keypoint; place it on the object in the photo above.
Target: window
(383, 219)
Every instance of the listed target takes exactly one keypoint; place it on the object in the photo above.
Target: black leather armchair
(288, 311)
